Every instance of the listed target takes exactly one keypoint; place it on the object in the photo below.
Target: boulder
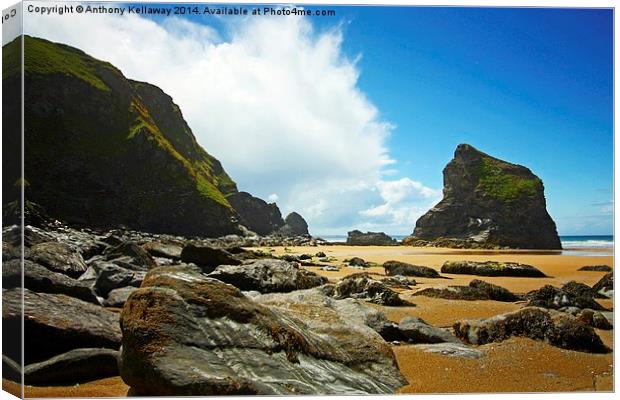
(358, 262)
(491, 268)
(105, 277)
(488, 203)
(364, 288)
(55, 323)
(416, 330)
(164, 249)
(207, 257)
(600, 268)
(358, 238)
(554, 298)
(267, 276)
(556, 328)
(605, 286)
(477, 290)
(131, 256)
(294, 225)
(74, 366)
(39, 279)
(118, 297)
(579, 289)
(58, 257)
(185, 334)
(402, 268)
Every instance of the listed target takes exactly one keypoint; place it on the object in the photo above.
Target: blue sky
(325, 103)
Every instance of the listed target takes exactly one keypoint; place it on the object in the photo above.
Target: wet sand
(515, 365)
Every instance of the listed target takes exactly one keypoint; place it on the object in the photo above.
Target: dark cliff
(103, 150)
(488, 202)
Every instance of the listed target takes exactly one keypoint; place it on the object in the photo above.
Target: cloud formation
(277, 102)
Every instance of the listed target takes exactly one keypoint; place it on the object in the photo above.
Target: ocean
(568, 242)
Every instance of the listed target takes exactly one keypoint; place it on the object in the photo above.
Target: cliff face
(256, 214)
(489, 202)
(106, 151)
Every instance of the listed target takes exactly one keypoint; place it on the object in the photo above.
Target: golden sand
(515, 365)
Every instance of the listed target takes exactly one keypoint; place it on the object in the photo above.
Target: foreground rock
(187, 334)
(39, 279)
(558, 329)
(605, 286)
(267, 276)
(55, 323)
(491, 268)
(358, 238)
(477, 290)
(402, 268)
(488, 203)
(58, 257)
(75, 366)
(555, 298)
(361, 286)
(399, 281)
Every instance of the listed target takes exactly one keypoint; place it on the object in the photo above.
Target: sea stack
(487, 203)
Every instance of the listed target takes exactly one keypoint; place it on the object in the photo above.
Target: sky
(350, 119)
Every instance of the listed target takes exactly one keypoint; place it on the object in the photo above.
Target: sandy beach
(515, 365)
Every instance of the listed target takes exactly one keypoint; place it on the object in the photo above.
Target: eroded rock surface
(187, 334)
(491, 268)
(402, 268)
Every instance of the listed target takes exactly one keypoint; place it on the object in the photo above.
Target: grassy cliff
(105, 150)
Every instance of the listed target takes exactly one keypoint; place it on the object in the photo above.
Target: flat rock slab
(556, 328)
(401, 268)
(118, 297)
(40, 279)
(458, 350)
(599, 268)
(491, 268)
(55, 324)
(187, 334)
(75, 366)
(268, 276)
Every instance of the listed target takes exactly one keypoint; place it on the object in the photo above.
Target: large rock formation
(359, 238)
(487, 203)
(104, 150)
(294, 225)
(256, 214)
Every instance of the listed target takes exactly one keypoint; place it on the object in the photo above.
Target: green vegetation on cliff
(103, 149)
(496, 180)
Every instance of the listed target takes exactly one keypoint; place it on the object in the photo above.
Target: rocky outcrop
(207, 256)
(58, 257)
(605, 286)
(554, 298)
(266, 276)
(601, 268)
(488, 203)
(187, 334)
(294, 225)
(491, 268)
(55, 323)
(416, 330)
(256, 214)
(358, 238)
(558, 329)
(477, 290)
(402, 268)
(363, 287)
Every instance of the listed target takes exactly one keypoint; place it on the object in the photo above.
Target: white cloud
(272, 198)
(277, 103)
(405, 200)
